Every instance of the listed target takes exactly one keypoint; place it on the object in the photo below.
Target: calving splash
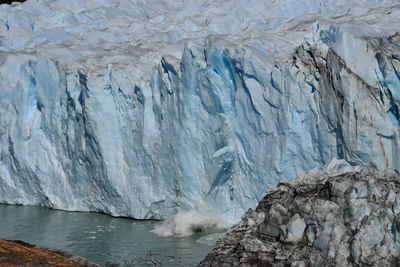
(186, 223)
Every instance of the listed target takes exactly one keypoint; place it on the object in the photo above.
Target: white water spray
(186, 223)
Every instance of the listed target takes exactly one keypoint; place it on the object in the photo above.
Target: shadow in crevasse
(8, 2)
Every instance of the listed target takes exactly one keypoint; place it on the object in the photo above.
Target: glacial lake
(97, 237)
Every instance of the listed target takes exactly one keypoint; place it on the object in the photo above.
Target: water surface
(98, 237)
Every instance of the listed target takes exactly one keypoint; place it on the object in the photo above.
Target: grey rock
(358, 227)
(295, 229)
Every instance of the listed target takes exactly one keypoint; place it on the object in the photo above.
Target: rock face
(135, 109)
(341, 216)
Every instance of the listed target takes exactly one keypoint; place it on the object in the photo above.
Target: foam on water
(188, 222)
(211, 239)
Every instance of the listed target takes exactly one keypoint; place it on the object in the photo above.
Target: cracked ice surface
(135, 108)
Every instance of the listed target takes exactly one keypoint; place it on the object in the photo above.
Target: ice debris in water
(186, 223)
(211, 239)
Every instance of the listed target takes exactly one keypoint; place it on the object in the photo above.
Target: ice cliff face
(339, 216)
(135, 108)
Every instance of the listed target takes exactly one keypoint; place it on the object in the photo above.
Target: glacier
(141, 108)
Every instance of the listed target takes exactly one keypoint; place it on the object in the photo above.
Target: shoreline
(20, 253)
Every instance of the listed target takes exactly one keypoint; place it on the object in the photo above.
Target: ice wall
(137, 109)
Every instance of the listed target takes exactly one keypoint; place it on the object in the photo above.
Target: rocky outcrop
(18, 253)
(341, 216)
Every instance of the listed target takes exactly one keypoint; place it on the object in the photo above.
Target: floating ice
(211, 239)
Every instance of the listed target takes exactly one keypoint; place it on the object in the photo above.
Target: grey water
(97, 237)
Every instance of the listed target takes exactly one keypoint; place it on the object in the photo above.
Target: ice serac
(139, 109)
